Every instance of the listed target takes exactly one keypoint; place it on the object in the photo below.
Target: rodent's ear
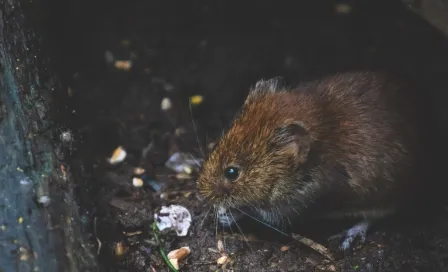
(294, 139)
(265, 86)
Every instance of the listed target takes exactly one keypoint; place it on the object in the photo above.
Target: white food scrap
(222, 260)
(137, 182)
(179, 253)
(125, 65)
(118, 156)
(175, 217)
(166, 104)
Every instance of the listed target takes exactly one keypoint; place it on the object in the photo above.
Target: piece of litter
(179, 253)
(175, 217)
(118, 156)
(179, 131)
(222, 260)
(166, 104)
(196, 99)
(138, 171)
(137, 182)
(119, 249)
(180, 162)
(66, 136)
(187, 169)
(164, 196)
(220, 246)
(284, 248)
(44, 200)
(183, 176)
(175, 263)
(123, 64)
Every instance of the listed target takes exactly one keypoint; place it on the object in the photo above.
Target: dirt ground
(217, 50)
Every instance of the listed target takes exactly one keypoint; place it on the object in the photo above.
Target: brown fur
(358, 148)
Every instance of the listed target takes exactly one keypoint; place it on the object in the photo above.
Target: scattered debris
(327, 267)
(174, 263)
(119, 249)
(132, 233)
(124, 65)
(166, 104)
(138, 171)
(182, 162)
(66, 136)
(137, 182)
(176, 217)
(179, 131)
(315, 246)
(183, 176)
(118, 156)
(220, 246)
(196, 99)
(44, 200)
(284, 248)
(222, 260)
(179, 253)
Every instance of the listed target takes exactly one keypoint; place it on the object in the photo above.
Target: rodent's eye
(231, 173)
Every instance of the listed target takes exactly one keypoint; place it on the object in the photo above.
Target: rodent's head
(255, 161)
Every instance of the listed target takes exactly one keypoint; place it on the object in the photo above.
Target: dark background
(218, 49)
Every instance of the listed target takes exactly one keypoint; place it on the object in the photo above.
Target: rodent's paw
(348, 237)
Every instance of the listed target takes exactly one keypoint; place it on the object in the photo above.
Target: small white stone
(137, 182)
(166, 104)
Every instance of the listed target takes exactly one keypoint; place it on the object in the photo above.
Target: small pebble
(138, 171)
(284, 248)
(66, 136)
(179, 254)
(196, 99)
(165, 104)
(119, 249)
(124, 65)
(187, 169)
(164, 196)
(222, 260)
(175, 263)
(137, 182)
(44, 200)
(118, 156)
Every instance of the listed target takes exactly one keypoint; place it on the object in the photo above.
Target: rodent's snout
(222, 189)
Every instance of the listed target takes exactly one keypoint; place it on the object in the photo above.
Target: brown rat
(347, 144)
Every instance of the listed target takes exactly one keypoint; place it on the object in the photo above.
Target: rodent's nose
(222, 188)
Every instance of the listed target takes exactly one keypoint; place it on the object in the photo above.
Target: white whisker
(205, 217)
(195, 130)
(236, 223)
(264, 223)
